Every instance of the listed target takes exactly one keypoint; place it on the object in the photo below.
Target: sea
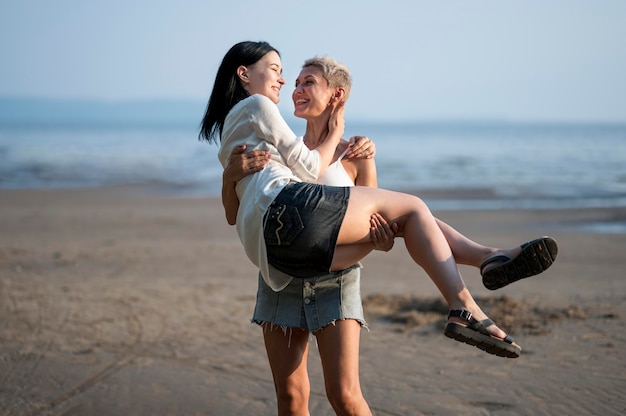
(455, 165)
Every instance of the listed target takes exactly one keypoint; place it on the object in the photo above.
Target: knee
(419, 204)
(292, 399)
(347, 401)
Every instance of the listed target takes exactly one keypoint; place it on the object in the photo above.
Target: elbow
(231, 221)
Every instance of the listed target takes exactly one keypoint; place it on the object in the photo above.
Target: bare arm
(240, 164)
(230, 201)
(365, 174)
(336, 126)
(382, 234)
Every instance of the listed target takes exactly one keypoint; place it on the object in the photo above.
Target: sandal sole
(486, 343)
(536, 257)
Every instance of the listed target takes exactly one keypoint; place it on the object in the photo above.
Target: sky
(537, 60)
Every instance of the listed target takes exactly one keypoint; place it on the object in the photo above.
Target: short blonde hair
(333, 71)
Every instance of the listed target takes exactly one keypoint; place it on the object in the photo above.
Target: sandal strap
(460, 313)
(508, 339)
(501, 258)
(476, 325)
(481, 326)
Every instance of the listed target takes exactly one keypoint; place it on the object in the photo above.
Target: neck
(316, 131)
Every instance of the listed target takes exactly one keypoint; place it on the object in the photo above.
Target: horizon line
(20, 109)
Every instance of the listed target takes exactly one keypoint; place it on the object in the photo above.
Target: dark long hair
(227, 89)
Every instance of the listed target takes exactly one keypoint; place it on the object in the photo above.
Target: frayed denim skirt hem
(312, 303)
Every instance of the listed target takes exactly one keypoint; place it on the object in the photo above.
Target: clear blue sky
(412, 59)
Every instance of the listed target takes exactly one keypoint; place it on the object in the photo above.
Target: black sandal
(475, 333)
(536, 257)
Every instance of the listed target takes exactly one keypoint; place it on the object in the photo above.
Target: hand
(361, 147)
(381, 233)
(242, 164)
(336, 122)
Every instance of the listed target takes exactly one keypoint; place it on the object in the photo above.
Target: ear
(242, 73)
(339, 95)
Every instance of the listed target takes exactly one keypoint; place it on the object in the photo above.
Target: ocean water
(464, 165)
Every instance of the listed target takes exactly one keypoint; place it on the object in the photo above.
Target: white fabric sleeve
(272, 127)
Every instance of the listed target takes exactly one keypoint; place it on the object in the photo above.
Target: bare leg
(287, 353)
(339, 351)
(469, 252)
(465, 251)
(423, 238)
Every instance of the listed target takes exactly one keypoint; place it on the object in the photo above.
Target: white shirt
(257, 123)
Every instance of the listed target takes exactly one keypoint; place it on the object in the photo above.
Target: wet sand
(115, 302)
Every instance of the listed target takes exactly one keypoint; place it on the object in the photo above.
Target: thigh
(287, 351)
(365, 201)
(339, 352)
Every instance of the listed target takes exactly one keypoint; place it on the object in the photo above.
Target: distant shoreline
(442, 199)
(585, 219)
(452, 165)
(34, 111)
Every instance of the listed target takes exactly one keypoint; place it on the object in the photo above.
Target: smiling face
(312, 94)
(263, 77)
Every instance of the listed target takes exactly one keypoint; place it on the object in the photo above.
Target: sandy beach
(120, 302)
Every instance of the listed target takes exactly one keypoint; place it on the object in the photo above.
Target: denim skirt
(301, 228)
(312, 303)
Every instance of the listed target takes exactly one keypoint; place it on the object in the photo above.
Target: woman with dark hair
(293, 228)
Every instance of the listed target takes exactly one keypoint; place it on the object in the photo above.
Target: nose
(296, 92)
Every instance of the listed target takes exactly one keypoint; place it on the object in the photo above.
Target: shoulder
(362, 171)
(260, 101)
(256, 109)
(255, 103)
(260, 107)
(364, 164)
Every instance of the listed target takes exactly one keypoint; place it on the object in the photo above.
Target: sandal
(475, 333)
(536, 257)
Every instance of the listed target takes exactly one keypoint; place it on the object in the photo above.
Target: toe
(496, 332)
